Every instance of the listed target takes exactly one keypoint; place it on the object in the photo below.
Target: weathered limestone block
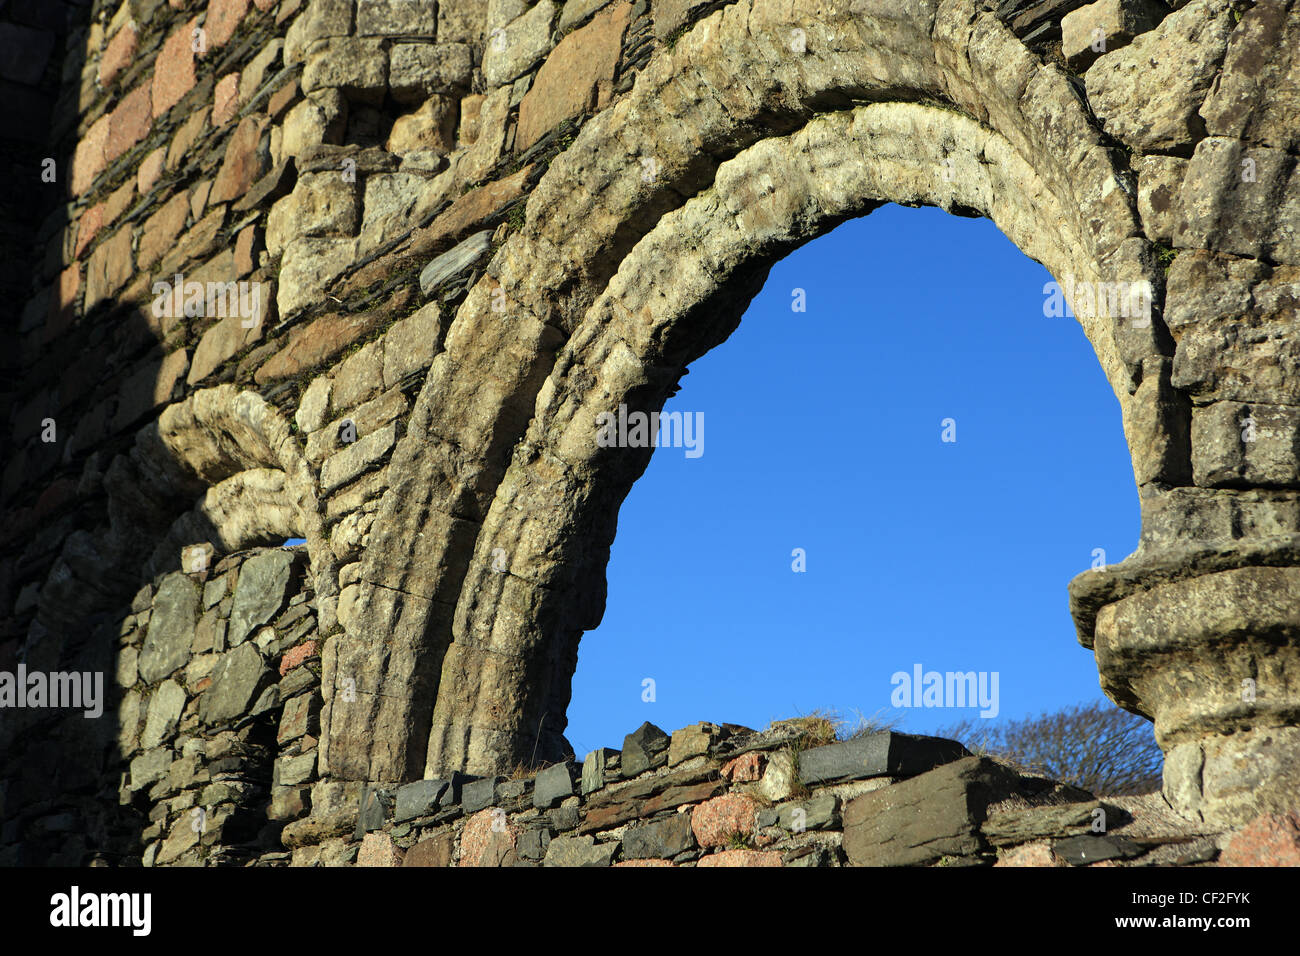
(478, 160)
(321, 205)
(320, 118)
(1149, 93)
(348, 536)
(292, 771)
(1257, 97)
(307, 269)
(1104, 26)
(464, 22)
(1160, 181)
(397, 17)
(357, 67)
(362, 455)
(501, 13)
(359, 378)
(1241, 200)
(362, 420)
(1231, 319)
(389, 201)
(418, 70)
(1246, 445)
(669, 15)
(1221, 717)
(412, 343)
(431, 128)
(517, 48)
(314, 409)
(322, 18)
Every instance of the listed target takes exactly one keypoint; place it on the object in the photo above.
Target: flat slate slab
(418, 798)
(885, 754)
(919, 821)
(554, 784)
(455, 262)
(1083, 850)
(477, 795)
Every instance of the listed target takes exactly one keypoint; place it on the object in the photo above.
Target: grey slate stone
(419, 798)
(259, 593)
(455, 262)
(477, 795)
(642, 749)
(236, 681)
(579, 851)
(662, 839)
(1082, 850)
(150, 766)
(269, 699)
(807, 857)
(554, 784)
(165, 708)
(376, 806)
(884, 754)
(455, 787)
(921, 820)
(296, 681)
(291, 771)
(1013, 827)
(171, 628)
(819, 813)
(533, 844)
(513, 795)
(593, 769)
(564, 818)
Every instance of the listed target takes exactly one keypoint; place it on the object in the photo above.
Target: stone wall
(792, 795)
(458, 232)
(210, 743)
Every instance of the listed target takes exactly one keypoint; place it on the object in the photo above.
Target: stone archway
(617, 280)
(535, 212)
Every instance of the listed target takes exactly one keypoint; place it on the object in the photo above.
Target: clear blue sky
(823, 432)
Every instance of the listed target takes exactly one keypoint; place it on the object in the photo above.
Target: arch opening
(830, 434)
(679, 292)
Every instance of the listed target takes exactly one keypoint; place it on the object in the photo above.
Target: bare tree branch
(1095, 746)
